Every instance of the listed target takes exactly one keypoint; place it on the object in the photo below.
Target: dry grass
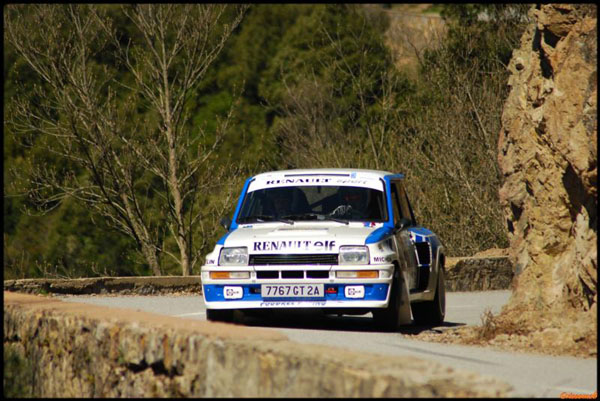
(565, 333)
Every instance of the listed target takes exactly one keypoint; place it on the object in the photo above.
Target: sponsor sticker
(233, 292)
(352, 181)
(354, 291)
(296, 245)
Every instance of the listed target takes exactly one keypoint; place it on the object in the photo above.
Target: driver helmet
(281, 200)
(356, 197)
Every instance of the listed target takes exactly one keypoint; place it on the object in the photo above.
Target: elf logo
(296, 245)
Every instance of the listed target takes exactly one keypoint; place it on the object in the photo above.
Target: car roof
(325, 171)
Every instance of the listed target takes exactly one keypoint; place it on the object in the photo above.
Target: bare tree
(180, 42)
(85, 116)
(448, 151)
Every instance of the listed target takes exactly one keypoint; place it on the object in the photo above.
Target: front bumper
(376, 290)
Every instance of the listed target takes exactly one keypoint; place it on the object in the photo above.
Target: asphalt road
(531, 375)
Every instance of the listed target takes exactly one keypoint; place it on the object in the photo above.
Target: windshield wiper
(325, 217)
(315, 216)
(261, 218)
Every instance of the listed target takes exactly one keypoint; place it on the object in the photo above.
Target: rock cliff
(548, 156)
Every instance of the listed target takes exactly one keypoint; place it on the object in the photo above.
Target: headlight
(354, 255)
(234, 256)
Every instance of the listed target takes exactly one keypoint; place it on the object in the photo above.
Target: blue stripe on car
(379, 235)
(373, 292)
(420, 231)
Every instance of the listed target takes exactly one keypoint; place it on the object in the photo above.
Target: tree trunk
(150, 254)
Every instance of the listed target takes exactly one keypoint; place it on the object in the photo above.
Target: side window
(405, 204)
(402, 202)
(395, 203)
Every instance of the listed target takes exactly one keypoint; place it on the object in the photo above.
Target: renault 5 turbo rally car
(340, 240)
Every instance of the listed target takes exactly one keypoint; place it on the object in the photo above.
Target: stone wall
(463, 274)
(108, 285)
(479, 274)
(548, 157)
(78, 350)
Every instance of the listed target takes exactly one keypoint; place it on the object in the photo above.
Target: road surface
(531, 375)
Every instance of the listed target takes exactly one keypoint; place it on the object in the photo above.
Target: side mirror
(402, 224)
(226, 223)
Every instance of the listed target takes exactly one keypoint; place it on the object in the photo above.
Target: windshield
(338, 203)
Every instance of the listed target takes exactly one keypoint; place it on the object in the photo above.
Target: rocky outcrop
(80, 350)
(548, 156)
(411, 31)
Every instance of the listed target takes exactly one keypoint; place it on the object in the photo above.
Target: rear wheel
(219, 315)
(432, 313)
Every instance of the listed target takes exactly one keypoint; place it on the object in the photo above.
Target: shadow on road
(314, 320)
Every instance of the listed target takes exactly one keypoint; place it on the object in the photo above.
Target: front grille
(295, 274)
(298, 259)
(423, 252)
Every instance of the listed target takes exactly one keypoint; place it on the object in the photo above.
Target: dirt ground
(564, 333)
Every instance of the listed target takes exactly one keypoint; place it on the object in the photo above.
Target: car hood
(299, 238)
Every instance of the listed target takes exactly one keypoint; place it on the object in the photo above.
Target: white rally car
(340, 240)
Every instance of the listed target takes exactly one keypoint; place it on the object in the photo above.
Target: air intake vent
(423, 252)
(299, 259)
(292, 274)
(267, 274)
(317, 274)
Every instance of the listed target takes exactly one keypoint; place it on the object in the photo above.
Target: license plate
(292, 290)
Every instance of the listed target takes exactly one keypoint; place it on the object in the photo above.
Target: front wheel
(397, 312)
(219, 315)
(432, 313)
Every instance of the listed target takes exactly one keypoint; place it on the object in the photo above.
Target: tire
(432, 313)
(219, 315)
(388, 319)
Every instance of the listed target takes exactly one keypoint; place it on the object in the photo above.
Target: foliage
(125, 149)
(299, 86)
(327, 88)
(447, 142)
